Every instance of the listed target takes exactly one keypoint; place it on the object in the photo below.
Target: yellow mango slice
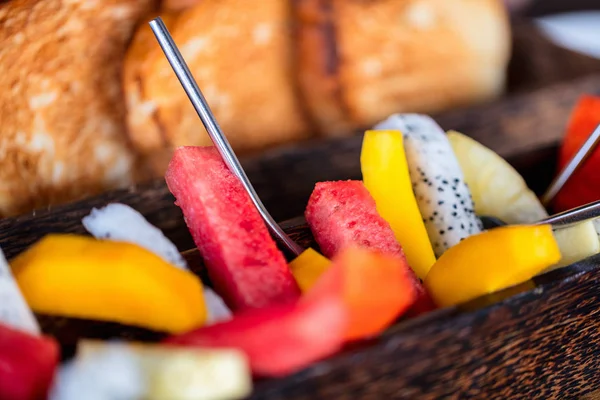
(491, 261)
(81, 277)
(385, 174)
(308, 267)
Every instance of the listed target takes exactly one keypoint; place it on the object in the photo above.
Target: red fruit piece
(27, 365)
(277, 340)
(243, 261)
(375, 289)
(584, 185)
(343, 214)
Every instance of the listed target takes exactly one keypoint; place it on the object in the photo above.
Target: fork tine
(578, 159)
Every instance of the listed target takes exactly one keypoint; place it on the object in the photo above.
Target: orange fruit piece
(374, 288)
(308, 267)
(491, 261)
(81, 277)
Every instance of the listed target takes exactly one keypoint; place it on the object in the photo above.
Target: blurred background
(88, 102)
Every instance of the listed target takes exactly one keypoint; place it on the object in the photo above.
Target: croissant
(62, 109)
(243, 62)
(284, 71)
(361, 61)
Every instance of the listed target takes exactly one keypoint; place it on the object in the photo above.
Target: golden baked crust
(318, 66)
(243, 64)
(274, 72)
(177, 5)
(63, 123)
(407, 56)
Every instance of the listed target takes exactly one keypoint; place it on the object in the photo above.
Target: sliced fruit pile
(386, 176)
(438, 184)
(343, 214)
(499, 191)
(405, 240)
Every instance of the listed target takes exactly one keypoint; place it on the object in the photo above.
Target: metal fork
(214, 130)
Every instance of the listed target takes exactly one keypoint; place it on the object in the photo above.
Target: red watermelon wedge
(343, 214)
(243, 261)
(278, 340)
(584, 185)
(27, 364)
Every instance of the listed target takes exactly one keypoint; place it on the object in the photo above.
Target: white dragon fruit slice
(438, 182)
(112, 374)
(119, 222)
(14, 310)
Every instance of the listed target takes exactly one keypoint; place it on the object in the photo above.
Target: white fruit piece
(576, 243)
(499, 191)
(438, 183)
(14, 310)
(112, 374)
(597, 227)
(119, 222)
(118, 370)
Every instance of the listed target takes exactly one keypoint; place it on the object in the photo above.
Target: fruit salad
(405, 240)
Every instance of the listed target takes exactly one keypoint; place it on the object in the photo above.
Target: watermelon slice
(584, 185)
(343, 214)
(242, 260)
(375, 289)
(278, 340)
(27, 364)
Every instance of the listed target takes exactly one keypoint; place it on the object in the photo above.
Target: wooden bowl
(537, 340)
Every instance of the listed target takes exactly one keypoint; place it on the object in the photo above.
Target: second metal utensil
(558, 221)
(573, 216)
(214, 130)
